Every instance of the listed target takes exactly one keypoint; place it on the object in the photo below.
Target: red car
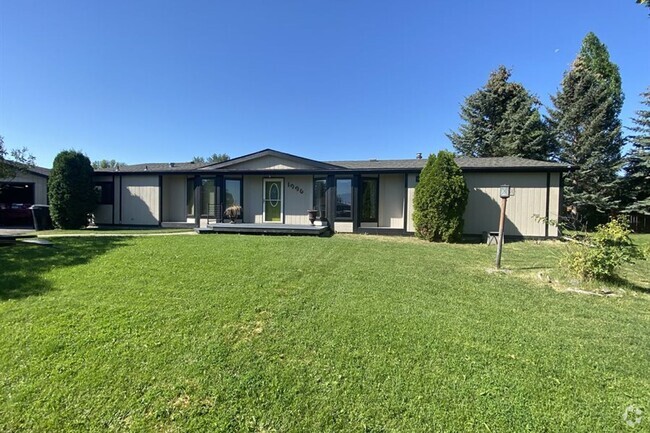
(15, 214)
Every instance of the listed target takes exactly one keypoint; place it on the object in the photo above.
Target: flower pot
(312, 215)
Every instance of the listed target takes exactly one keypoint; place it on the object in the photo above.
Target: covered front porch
(266, 229)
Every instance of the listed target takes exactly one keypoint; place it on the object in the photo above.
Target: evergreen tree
(637, 169)
(440, 200)
(596, 57)
(584, 121)
(502, 119)
(71, 190)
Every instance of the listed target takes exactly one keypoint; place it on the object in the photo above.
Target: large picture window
(190, 197)
(369, 200)
(234, 194)
(344, 199)
(320, 190)
(208, 197)
(104, 191)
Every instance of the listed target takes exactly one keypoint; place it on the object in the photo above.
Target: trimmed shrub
(440, 200)
(600, 255)
(71, 190)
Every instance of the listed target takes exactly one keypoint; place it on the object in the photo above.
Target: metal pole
(502, 222)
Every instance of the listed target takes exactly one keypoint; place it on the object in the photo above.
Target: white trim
(281, 191)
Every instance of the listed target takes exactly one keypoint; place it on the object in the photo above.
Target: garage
(15, 201)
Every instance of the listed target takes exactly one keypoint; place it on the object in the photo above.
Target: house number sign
(295, 187)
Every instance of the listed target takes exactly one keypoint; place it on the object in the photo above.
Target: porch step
(177, 225)
(266, 229)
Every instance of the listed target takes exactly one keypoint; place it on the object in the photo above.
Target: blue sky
(149, 81)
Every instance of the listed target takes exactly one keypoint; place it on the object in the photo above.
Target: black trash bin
(41, 215)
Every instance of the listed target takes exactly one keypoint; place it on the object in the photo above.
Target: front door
(273, 203)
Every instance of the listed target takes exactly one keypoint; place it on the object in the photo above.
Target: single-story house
(372, 196)
(17, 194)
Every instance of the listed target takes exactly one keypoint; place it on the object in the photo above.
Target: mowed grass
(286, 334)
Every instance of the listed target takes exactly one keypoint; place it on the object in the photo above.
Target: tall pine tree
(502, 119)
(637, 168)
(585, 124)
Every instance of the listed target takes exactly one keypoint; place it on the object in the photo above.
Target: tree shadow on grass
(23, 266)
(626, 284)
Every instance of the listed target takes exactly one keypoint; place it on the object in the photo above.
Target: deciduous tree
(13, 160)
(214, 158)
(105, 163)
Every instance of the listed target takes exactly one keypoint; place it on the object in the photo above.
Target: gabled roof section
(269, 159)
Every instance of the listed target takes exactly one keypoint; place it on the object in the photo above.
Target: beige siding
(483, 207)
(409, 208)
(270, 163)
(140, 200)
(174, 198)
(343, 227)
(40, 185)
(391, 200)
(297, 199)
(253, 196)
(554, 203)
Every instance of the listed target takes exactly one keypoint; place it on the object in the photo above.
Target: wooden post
(502, 222)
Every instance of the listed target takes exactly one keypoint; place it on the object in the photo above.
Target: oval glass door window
(273, 200)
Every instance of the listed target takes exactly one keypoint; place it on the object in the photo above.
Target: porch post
(356, 202)
(197, 200)
(330, 200)
(219, 198)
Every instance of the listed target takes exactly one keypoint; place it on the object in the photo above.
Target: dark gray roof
(508, 163)
(42, 171)
(34, 169)
(157, 167)
(381, 164)
(464, 162)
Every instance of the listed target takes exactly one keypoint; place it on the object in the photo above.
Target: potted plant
(312, 215)
(232, 212)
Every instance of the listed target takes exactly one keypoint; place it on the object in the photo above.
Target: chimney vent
(418, 155)
(171, 164)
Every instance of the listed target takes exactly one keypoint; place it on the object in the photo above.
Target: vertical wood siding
(391, 200)
(298, 200)
(411, 182)
(253, 196)
(483, 207)
(270, 163)
(140, 200)
(174, 198)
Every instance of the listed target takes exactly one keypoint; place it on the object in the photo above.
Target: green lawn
(285, 334)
